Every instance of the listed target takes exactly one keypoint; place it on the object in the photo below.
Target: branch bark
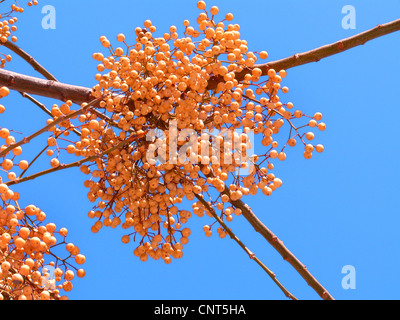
(45, 88)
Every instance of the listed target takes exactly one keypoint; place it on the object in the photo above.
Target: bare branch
(44, 88)
(279, 246)
(28, 58)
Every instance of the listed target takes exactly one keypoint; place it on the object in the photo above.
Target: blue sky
(339, 208)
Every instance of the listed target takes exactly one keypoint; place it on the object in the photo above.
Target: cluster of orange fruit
(175, 121)
(163, 85)
(7, 27)
(30, 267)
(25, 241)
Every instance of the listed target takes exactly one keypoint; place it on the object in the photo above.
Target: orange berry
(292, 142)
(17, 279)
(318, 116)
(69, 275)
(214, 10)
(201, 5)
(263, 55)
(273, 154)
(229, 16)
(7, 164)
(282, 156)
(322, 126)
(81, 273)
(309, 136)
(312, 123)
(44, 295)
(4, 92)
(147, 23)
(307, 155)
(80, 259)
(54, 162)
(319, 148)
(309, 148)
(4, 133)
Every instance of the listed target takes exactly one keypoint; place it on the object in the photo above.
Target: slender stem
(43, 107)
(36, 102)
(241, 244)
(32, 162)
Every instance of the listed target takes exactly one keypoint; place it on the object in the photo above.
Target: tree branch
(317, 54)
(44, 88)
(279, 246)
(78, 94)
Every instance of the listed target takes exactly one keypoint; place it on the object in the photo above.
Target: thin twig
(241, 244)
(43, 107)
(277, 244)
(33, 161)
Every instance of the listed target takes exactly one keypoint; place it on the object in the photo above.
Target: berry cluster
(30, 248)
(180, 136)
(177, 117)
(7, 27)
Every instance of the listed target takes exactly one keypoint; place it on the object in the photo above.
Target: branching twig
(70, 165)
(43, 107)
(47, 127)
(277, 244)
